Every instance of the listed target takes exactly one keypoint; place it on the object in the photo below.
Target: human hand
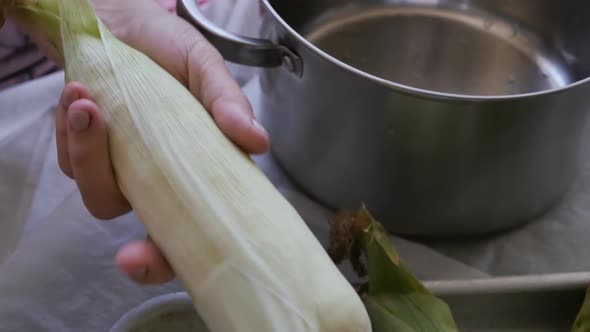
(82, 138)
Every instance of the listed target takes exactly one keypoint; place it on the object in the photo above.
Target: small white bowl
(164, 313)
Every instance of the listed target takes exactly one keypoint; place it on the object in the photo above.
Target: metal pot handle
(235, 48)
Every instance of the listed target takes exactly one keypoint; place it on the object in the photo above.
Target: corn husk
(245, 256)
(582, 320)
(395, 300)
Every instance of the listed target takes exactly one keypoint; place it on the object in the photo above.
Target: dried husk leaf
(394, 298)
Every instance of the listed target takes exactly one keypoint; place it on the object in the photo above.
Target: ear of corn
(245, 256)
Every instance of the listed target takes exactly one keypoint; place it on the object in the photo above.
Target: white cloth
(58, 272)
(56, 261)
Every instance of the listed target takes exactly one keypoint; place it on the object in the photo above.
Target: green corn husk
(395, 300)
(582, 322)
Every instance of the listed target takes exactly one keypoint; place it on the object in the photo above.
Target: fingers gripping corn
(245, 256)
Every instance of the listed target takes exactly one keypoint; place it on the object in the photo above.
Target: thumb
(90, 161)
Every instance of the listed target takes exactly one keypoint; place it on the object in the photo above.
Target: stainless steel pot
(446, 118)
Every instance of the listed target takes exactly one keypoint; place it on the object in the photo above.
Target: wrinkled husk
(394, 298)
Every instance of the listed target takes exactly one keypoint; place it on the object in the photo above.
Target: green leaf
(408, 313)
(387, 274)
(582, 322)
(395, 300)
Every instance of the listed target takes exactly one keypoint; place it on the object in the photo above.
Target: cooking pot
(445, 118)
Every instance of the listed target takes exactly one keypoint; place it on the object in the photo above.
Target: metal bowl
(164, 313)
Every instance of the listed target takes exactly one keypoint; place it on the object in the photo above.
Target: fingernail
(70, 97)
(258, 126)
(78, 119)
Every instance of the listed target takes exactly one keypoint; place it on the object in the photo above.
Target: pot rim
(406, 89)
(153, 307)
